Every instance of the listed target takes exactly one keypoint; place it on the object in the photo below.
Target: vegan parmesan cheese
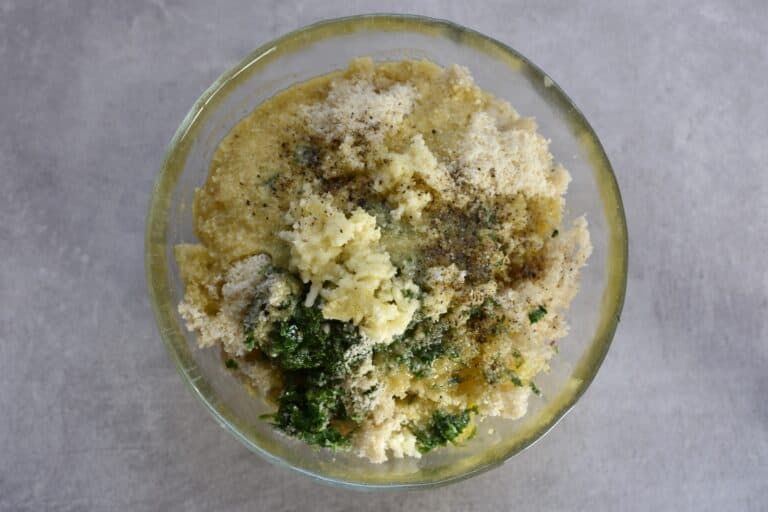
(381, 256)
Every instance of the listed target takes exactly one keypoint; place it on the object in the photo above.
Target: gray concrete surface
(92, 413)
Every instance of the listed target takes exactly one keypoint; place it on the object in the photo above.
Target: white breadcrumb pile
(359, 108)
(508, 161)
(356, 110)
(237, 288)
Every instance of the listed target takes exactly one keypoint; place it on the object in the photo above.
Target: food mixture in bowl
(381, 257)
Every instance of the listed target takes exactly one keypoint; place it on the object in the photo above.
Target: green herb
(271, 182)
(307, 155)
(483, 310)
(520, 360)
(310, 350)
(555, 233)
(261, 316)
(487, 216)
(410, 294)
(442, 429)
(306, 408)
(307, 340)
(420, 346)
(422, 358)
(411, 267)
(378, 209)
(537, 314)
(497, 374)
(455, 380)
(535, 388)
(231, 364)
(250, 340)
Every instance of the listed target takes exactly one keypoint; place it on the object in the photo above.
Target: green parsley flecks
(537, 314)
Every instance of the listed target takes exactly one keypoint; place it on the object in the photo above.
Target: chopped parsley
(535, 389)
(555, 233)
(231, 364)
(422, 358)
(537, 314)
(308, 405)
(487, 216)
(271, 182)
(378, 209)
(310, 350)
(442, 429)
(520, 360)
(307, 340)
(496, 374)
(307, 155)
(420, 346)
(250, 340)
(484, 309)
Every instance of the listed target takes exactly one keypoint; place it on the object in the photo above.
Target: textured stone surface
(93, 413)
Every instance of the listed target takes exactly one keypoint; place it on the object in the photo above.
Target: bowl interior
(328, 46)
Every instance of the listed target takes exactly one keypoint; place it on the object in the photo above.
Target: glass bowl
(327, 46)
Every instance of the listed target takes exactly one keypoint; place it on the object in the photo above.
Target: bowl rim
(156, 257)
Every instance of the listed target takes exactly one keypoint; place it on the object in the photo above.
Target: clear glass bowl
(330, 45)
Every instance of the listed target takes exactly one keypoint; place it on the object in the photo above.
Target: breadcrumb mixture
(381, 255)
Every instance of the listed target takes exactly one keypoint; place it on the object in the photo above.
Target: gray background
(92, 413)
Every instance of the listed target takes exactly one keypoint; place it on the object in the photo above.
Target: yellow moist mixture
(381, 257)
